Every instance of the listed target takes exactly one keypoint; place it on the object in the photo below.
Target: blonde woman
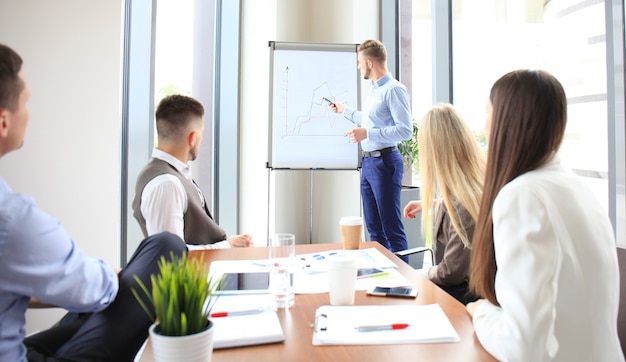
(452, 168)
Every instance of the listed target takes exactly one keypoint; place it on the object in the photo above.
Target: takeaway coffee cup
(351, 231)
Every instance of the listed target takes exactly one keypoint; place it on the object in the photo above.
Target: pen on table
(384, 327)
(232, 314)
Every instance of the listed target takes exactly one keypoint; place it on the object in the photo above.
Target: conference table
(297, 320)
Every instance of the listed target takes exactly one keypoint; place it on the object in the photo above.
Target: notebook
(259, 326)
(247, 330)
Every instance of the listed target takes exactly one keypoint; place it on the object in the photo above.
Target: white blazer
(558, 280)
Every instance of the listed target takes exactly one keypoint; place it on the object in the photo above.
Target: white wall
(335, 193)
(70, 160)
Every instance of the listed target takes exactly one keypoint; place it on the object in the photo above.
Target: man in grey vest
(166, 197)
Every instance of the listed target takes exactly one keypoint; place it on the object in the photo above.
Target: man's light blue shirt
(386, 115)
(39, 259)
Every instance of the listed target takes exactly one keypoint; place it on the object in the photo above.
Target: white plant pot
(192, 348)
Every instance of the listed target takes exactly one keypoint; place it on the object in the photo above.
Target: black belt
(380, 152)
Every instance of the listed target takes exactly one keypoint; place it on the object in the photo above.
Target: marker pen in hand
(329, 101)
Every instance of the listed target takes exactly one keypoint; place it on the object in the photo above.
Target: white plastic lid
(351, 220)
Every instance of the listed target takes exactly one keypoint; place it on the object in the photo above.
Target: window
(493, 37)
(173, 58)
(476, 42)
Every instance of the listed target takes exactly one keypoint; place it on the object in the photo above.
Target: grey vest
(200, 228)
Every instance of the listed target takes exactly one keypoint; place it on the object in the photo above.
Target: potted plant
(182, 297)
(409, 149)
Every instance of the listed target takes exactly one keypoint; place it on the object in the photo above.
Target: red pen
(232, 314)
(385, 327)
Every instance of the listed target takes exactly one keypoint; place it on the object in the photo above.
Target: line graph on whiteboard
(304, 130)
(310, 115)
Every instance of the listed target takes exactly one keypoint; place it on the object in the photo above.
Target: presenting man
(166, 196)
(384, 122)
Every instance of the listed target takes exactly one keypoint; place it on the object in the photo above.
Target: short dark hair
(174, 114)
(374, 49)
(11, 85)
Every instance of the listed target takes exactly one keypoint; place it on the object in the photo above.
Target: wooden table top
(297, 321)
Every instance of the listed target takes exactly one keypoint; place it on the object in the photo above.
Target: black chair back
(621, 317)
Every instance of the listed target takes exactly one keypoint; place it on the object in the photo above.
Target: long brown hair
(529, 114)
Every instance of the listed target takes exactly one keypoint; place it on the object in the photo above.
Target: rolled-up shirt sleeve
(353, 116)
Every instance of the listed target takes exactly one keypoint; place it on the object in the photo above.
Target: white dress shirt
(164, 202)
(557, 280)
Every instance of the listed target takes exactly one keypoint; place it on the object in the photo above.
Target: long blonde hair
(452, 167)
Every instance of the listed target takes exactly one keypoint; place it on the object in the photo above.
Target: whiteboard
(304, 132)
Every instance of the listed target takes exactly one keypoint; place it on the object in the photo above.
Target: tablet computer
(369, 272)
(245, 283)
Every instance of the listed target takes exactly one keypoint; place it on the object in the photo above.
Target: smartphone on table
(400, 292)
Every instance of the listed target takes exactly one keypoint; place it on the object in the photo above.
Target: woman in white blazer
(543, 257)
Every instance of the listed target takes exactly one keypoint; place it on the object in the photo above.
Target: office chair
(621, 318)
(459, 292)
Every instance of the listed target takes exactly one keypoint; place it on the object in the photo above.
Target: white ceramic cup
(351, 232)
(341, 279)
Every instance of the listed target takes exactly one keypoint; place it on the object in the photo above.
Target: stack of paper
(339, 325)
(366, 258)
(312, 274)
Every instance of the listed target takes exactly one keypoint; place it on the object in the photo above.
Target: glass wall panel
(564, 37)
(421, 64)
(173, 61)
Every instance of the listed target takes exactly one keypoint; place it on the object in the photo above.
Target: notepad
(239, 331)
(247, 330)
(338, 325)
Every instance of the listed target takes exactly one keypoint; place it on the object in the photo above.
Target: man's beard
(367, 73)
(193, 154)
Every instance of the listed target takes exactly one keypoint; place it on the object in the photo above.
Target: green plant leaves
(409, 149)
(182, 295)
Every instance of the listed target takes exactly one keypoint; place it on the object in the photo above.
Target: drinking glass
(282, 261)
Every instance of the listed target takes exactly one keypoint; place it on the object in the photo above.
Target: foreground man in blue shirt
(381, 125)
(41, 265)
